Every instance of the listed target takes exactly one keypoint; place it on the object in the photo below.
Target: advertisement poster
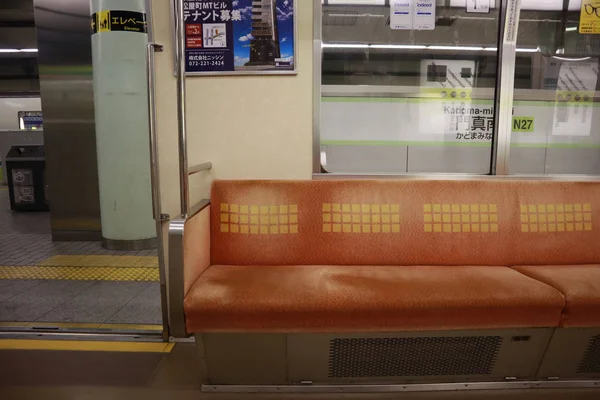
(589, 20)
(240, 36)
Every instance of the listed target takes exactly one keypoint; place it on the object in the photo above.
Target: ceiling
(17, 25)
(18, 70)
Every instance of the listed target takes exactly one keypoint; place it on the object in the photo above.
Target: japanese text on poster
(249, 36)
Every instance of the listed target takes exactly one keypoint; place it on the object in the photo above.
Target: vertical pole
(159, 218)
(184, 184)
(317, 70)
(505, 88)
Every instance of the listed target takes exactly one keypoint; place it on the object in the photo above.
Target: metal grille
(590, 363)
(424, 356)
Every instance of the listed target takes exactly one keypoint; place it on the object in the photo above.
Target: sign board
(401, 14)
(424, 15)
(478, 6)
(575, 86)
(119, 20)
(589, 20)
(412, 14)
(240, 37)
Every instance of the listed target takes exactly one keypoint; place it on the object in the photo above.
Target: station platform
(42, 281)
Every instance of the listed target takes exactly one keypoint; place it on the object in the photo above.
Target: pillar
(119, 38)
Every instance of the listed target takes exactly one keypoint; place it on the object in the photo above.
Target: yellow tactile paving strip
(70, 345)
(81, 273)
(74, 325)
(88, 268)
(101, 261)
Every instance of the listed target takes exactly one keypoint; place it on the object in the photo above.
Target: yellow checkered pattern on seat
(460, 218)
(361, 218)
(573, 217)
(259, 219)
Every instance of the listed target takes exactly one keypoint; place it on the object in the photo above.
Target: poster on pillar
(240, 37)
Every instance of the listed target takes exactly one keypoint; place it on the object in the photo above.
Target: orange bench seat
(580, 284)
(374, 256)
(231, 298)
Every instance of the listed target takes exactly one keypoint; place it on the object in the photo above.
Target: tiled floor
(105, 286)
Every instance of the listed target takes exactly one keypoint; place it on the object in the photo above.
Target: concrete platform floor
(71, 282)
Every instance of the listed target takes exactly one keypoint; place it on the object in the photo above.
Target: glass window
(555, 114)
(408, 100)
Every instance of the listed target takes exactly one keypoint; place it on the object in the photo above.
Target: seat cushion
(230, 298)
(580, 284)
(404, 222)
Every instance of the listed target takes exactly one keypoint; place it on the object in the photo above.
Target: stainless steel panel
(245, 358)
(175, 273)
(176, 291)
(433, 353)
(572, 354)
(519, 387)
(66, 86)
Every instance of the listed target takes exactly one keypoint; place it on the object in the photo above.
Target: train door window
(556, 99)
(407, 86)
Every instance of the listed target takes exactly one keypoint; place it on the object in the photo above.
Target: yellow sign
(103, 21)
(589, 22)
(119, 20)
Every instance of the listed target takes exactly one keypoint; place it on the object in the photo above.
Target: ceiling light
(456, 48)
(397, 46)
(18, 50)
(345, 46)
(421, 47)
(537, 49)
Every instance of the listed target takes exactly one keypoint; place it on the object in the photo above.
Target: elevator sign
(239, 36)
(119, 20)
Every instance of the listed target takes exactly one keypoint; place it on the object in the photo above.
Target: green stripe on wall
(341, 99)
(556, 145)
(454, 144)
(401, 143)
(393, 100)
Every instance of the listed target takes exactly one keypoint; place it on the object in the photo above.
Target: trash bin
(25, 169)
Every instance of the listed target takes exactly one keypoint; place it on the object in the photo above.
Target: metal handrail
(184, 183)
(150, 73)
(185, 171)
(199, 168)
(159, 218)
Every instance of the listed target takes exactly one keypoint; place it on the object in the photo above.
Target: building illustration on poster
(240, 36)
